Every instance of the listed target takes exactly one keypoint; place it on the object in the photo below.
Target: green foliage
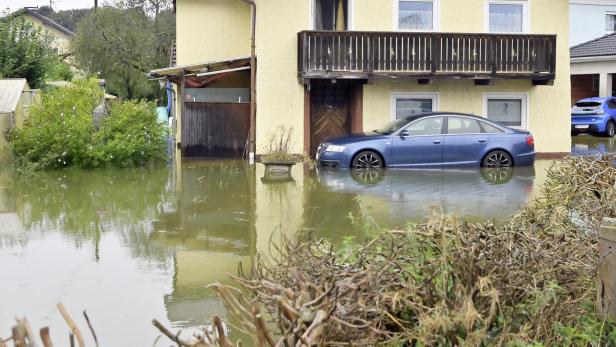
(60, 132)
(130, 135)
(59, 71)
(122, 45)
(25, 51)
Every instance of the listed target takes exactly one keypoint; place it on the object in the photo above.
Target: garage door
(215, 130)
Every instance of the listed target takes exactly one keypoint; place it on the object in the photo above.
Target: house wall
(215, 29)
(61, 42)
(548, 106)
(209, 30)
(587, 19)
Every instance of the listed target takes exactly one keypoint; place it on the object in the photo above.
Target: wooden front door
(329, 114)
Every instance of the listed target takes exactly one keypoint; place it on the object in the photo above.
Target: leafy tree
(122, 44)
(25, 51)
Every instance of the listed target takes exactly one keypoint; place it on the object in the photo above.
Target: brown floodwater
(132, 245)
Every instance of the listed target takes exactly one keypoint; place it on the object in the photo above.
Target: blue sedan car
(594, 115)
(432, 140)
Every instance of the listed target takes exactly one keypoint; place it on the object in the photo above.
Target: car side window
(426, 127)
(490, 129)
(461, 125)
(611, 104)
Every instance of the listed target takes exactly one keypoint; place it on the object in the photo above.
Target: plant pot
(278, 170)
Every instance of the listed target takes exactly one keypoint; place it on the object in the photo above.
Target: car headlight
(334, 148)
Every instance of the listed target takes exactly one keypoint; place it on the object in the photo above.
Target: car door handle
(437, 142)
(481, 140)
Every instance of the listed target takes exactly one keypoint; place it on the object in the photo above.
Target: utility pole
(95, 5)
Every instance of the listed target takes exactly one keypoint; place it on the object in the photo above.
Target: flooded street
(132, 245)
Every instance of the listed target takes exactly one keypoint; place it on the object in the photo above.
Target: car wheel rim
(368, 161)
(498, 159)
(611, 129)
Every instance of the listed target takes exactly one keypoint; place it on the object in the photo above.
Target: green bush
(130, 136)
(60, 132)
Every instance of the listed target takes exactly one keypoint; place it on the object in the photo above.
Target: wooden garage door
(215, 130)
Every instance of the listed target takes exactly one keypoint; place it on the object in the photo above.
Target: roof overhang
(202, 69)
(593, 58)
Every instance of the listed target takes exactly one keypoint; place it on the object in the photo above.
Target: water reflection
(132, 245)
(588, 144)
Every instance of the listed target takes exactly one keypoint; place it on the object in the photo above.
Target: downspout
(253, 81)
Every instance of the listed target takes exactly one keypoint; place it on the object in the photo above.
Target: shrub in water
(61, 133)
(130, 136)
(58, 132)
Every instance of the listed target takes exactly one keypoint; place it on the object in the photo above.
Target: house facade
(330, 67)
(61, 36)
(593, 51)
(590, 19)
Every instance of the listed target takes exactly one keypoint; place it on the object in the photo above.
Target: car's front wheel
(367, 160)
(610, 129)
(497, 159)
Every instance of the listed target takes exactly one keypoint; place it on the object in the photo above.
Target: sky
(57, 4)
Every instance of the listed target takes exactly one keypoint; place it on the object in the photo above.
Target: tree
(25, 51)
(123, 44)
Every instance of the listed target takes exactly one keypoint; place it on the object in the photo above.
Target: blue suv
(594, 115)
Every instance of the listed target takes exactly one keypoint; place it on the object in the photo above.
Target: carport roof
(211, 67)
(599, 47)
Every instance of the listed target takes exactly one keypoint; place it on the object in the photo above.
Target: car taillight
(530, 140)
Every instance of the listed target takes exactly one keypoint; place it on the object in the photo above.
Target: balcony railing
(365, 55)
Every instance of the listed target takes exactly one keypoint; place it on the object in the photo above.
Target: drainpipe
(253, 81)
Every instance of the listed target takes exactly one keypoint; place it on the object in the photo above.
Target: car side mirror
(404, 133)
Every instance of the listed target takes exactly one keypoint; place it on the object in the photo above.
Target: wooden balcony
(369, 55)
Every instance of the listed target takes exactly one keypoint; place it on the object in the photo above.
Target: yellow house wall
(209, 30)
(280, 96)
(223, 28)
(61, 41)
(548, 106)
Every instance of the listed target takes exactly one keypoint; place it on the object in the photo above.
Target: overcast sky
(57, 4)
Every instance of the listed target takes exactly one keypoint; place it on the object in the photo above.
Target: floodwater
(132, 245)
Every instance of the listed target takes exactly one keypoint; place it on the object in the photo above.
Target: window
(507, 16)
(417, 15)
(408, 104)
(490, 129)
(610, 22)
(461, 125)
(426, 127)
(332, 15)
(508, 110)
(611, 104)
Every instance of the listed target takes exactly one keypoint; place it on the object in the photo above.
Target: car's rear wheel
(497, 159)
(367, 160)
(610, 129)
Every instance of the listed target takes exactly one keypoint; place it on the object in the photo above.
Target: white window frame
(350, 15)
(525, 14)
(436, 17)
(406, 95)
(609, 13)
(510, 96)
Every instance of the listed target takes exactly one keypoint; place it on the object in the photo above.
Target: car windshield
(392, 127)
